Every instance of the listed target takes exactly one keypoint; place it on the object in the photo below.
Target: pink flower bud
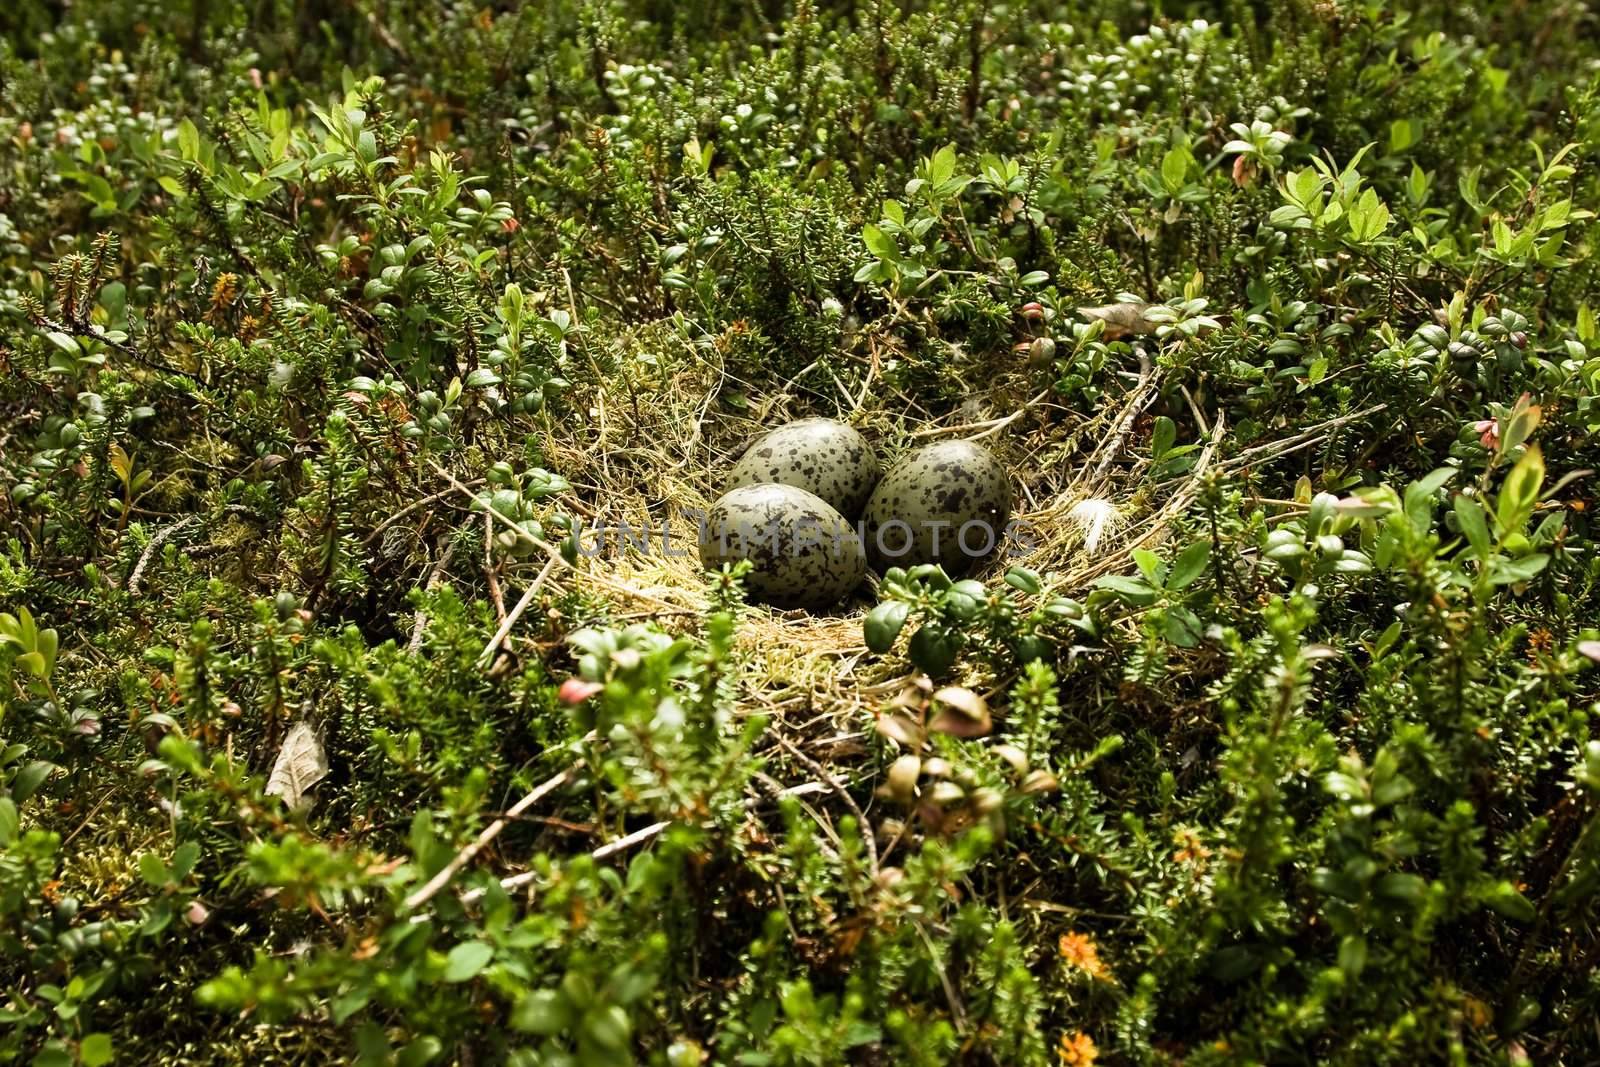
(576, 690)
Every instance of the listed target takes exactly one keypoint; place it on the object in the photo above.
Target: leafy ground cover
(324, 327)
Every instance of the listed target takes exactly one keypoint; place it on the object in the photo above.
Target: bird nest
(658, 450)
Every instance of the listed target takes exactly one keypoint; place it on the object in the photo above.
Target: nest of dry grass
(656, 451)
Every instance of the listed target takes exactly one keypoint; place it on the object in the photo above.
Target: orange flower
(1081, 952)
(1076, 1049)
(1190, 848)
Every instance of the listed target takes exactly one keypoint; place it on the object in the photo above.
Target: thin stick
(621, 844)
(988, 426)
(958, 1011)
(1194, 409)
(408, 509)
(162, 537)
(1138, 400)
(515, 613)
(638, 837)
(849, 801)
(490, 832)
(1300, 440)
(552, 550)
(419, 623)
(488, 569)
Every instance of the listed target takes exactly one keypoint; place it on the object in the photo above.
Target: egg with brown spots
(946, 503)
(803, 553)
(823, 457)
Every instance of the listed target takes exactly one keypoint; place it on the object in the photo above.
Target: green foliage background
(1317, 781)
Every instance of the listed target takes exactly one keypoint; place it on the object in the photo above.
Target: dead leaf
(902, 729)
(1121, 319)
(1040, 781)
(959, 724)
(301, 764)
(963, 713)
(903, 774)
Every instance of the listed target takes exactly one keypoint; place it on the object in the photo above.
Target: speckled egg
(803, 553)
(945, 503)
(821, 456)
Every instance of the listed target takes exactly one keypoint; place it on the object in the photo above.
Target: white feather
(1097, 520)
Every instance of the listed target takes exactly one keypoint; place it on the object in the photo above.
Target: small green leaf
(1162, 436)
(1174, 166)
(29, 779)
(1183, 627)
(95, 1050)
(933, 649)
(1401, 136)
(66, 342)
(466, 960)
(53, 1057)
(153, 869)
(883, 624)
(184, 858)
(1511, 571)
(188, 141)
(878, 243)
(608, 1027)
(1024, 579)
(1150, 566)
(1504, 898)
(1406, 887)
(1353, 955)
(1474, 525)
(544, 1012)
(1132, 590)
(1520, 492)
(420, 1052)
(1190, 564)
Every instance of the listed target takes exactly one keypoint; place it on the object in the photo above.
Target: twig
(552, 550)
(958, 1011)
(504, 631)
(419, 622)
(162, 537)
(638, 837)
(833, 783)
(387, 37)
(611, 848)
(1277, 449)
(1142, 395)
(126, 348)
(490, 832)
(408, 509)
(488, 569)
(1194, 409)
(988, 426)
